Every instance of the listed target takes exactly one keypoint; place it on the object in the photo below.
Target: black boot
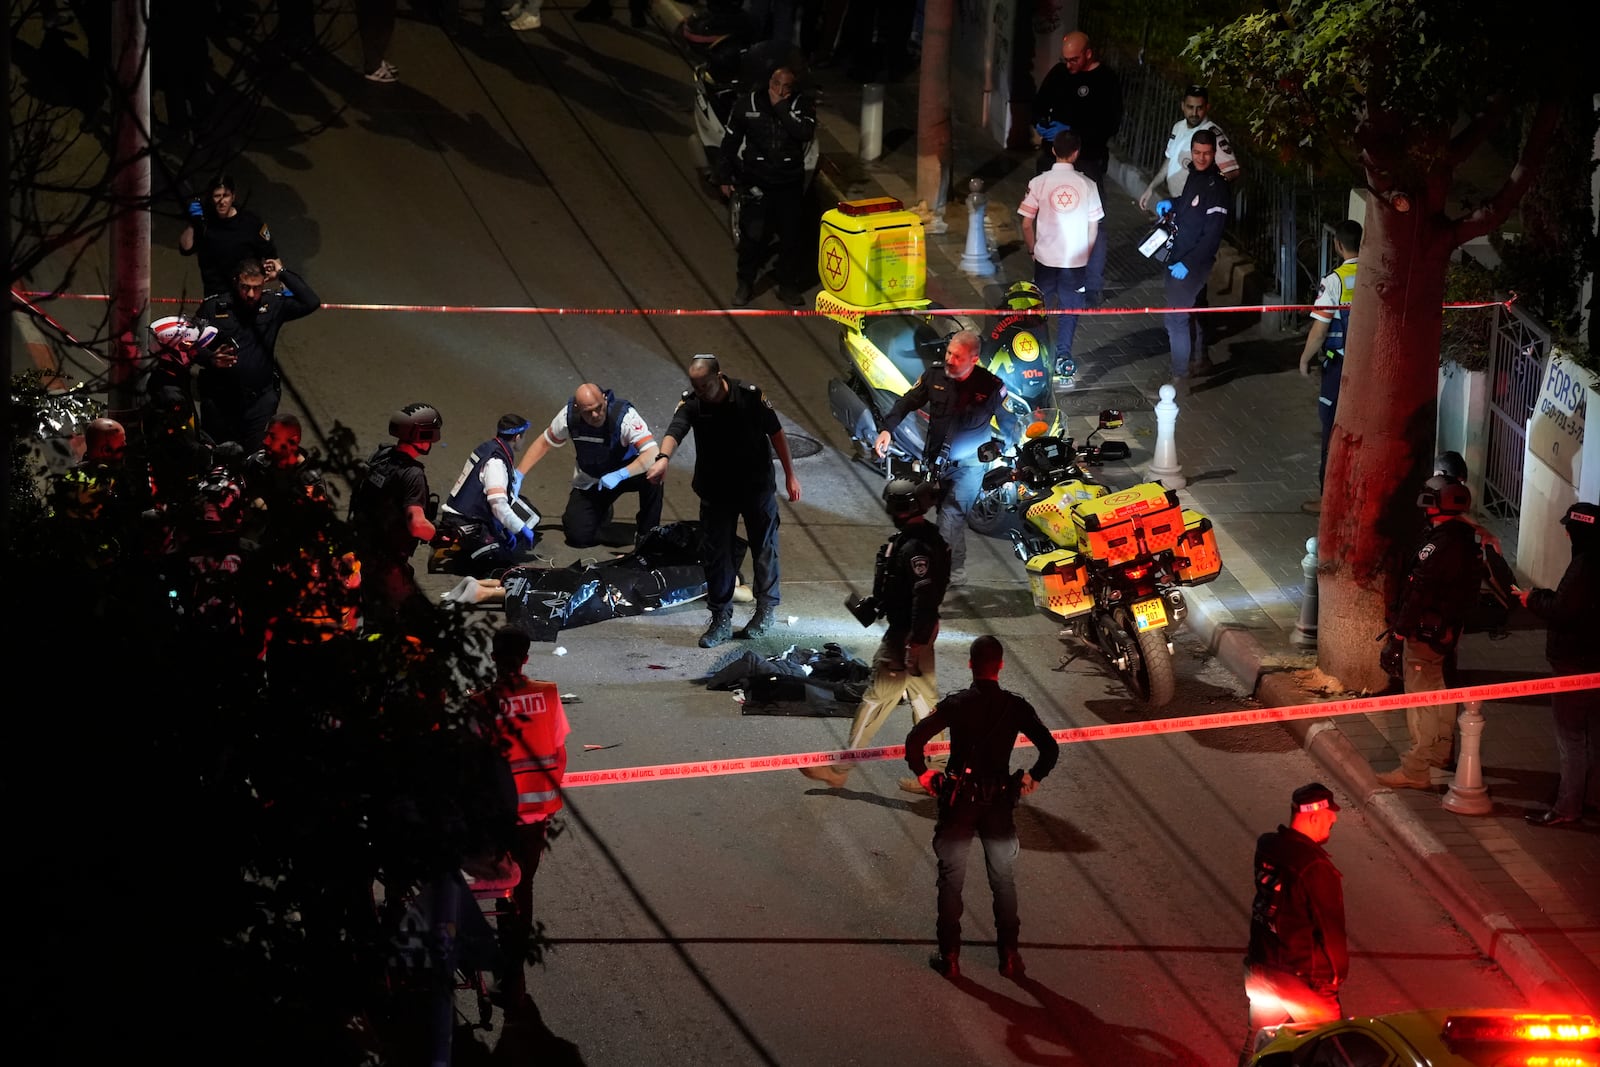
(720, 629)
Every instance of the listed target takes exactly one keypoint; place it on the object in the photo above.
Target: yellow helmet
(1024, 296)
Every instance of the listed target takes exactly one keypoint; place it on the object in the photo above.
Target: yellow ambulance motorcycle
(1109, 565)
(886, 353)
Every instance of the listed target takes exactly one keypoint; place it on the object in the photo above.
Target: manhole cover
(801, 446)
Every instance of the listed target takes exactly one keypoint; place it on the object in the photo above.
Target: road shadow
(522, 1038)
(1054, 1029)
(987, 602)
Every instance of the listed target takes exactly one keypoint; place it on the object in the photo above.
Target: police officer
(388, 513)
(961, 398)
(1438, 591)
(1298, 957)
(239, 383)
(482, 516)
(736, 433)
(976, 796)
(1573, 647)
(1199, 216)
(909, 580)
(613, 448)
(764, 156)
(1330, 322)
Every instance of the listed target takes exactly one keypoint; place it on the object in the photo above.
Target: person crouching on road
(482, 516)
(1298, 957)
(976, 796)
(613, 448)
(909, 580)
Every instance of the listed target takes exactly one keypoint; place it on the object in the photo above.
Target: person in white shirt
(1061, 216)
(1196, 108)
(614, 448)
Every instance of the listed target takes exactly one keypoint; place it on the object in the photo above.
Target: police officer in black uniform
(736, 433)
(961, 398)
(763, 163)
(240, 384)
(1298, 957)
(484, 521)
(977, 793)
(1436, 596)
(389, 514)
(908, 584)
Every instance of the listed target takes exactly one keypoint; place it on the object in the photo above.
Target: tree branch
(1471, 136)
(1493, 214)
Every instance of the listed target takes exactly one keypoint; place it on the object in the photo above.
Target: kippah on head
(508, 643)
(987, 653)
(511, 425)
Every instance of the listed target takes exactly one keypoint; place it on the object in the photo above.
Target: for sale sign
(1555, 430)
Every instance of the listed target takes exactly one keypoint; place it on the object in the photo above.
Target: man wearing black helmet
(388, 510)
(485, 521)
(1438, 591)
(1573, 647)
(908, 584)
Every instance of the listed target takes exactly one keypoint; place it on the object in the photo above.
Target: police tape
(1104, 732)
(758, 313)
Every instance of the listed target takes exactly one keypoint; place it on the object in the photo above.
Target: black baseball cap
(1313, 797)
(1587, 514)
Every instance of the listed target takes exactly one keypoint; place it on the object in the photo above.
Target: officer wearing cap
(1298, 957)
(1573, 647)
(389, 512)
(482, 518)
(977, 793)
(1438, 591)
(908, 584)
(736, 434)
(613, 448)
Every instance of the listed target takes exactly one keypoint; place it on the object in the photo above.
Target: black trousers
(778, 213)
(238, 417)
(719, 521)
(991, 822)
(590, 509)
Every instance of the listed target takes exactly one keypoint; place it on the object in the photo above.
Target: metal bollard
(975, 257)
(1467, 794)
(1164, 459)
(1305, 630)
(871, 145)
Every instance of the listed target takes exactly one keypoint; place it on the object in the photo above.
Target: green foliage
(1465, 337)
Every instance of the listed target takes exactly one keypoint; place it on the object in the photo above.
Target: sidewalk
(1248, 441)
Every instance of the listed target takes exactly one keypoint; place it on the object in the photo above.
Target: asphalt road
(760, 918)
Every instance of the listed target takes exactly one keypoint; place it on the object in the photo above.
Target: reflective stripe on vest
(599, 449)
(1340, 326)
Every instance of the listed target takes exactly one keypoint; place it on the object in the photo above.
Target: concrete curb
(1472, 907)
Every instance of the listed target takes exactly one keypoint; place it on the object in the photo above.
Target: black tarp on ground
(801, 681)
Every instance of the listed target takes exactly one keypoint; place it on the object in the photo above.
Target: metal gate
(1518, 348)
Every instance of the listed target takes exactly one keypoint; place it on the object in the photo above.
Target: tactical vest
(375, 511)
(599, 448)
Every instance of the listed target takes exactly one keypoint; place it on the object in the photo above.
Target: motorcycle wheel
(1149, 672)
(992, 511)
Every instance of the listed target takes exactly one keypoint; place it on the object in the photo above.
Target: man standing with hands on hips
(1199, 216)
(736, 435)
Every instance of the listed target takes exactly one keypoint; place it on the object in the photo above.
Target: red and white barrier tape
(490, 309)
(1109, 731)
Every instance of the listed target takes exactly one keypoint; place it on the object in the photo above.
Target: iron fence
(1518, 348)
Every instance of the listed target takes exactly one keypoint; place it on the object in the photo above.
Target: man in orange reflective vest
(531, 726)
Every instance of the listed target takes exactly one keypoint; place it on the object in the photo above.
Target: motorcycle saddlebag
(1122, 526)
(1053, 514)
(1197, 555)
(1057, 580)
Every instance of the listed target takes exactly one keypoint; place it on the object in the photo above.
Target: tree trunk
(130, 204)
(933, 106)
(1384, 433)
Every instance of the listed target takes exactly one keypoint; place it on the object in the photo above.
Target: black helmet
(1450, 465)
(1445, 495)
(416, 424)
(904, 498)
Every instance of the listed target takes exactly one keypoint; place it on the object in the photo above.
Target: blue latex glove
(1162, 208)
(615, 478)
(196, 209)
(516, 484)
(1178, 271)
(1048, 130)
(526, 535)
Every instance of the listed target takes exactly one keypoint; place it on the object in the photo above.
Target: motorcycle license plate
(1149, 615)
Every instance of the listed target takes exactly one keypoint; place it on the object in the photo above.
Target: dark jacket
(222, 244)
(766, 145)
(1572, 612)
(254, 333)
(983, 721)
(958, 412)
(1297, 918)
(1441, 585)
(732, 442)
(1090, 103)
(1200, 216)
(915, 575)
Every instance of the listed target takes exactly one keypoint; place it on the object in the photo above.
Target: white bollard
(1305, 630)
(1467, 794)
(975, 257)
(1164, 461)
(871, 146)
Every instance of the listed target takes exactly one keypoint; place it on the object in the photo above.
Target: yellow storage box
(872, 252)
(1058, 581)
(1053, 513)
(1121, 526)
(1198, 558)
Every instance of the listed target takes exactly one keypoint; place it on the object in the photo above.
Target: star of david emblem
(1065, 199)
(834, 265)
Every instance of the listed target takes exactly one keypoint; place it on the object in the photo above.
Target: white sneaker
(958, 577)
(526, 22)
(382, 74)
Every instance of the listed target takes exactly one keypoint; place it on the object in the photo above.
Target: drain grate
(801, 446)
